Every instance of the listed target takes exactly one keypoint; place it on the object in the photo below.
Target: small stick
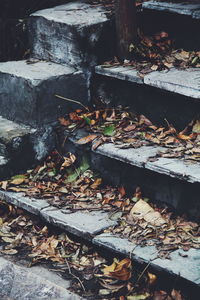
(70, 100)
(76, 277)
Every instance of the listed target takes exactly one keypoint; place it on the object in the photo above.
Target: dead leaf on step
(142, 210)
(120, 270)
(196, 127)
(17, 181)
(86, 139)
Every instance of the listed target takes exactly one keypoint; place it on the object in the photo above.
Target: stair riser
(35, 104)
(154, 103)
(179, 194)
(182, 29)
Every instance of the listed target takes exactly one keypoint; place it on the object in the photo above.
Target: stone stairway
(68, 41)
(65, 42)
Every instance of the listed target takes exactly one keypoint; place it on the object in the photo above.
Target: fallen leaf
(120, 270)
(109, 130)
(86, 139)
(143, 210)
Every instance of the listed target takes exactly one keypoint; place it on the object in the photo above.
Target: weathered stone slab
(28, 91)
(72, 34)
(185, 267)
(178, 8)
(136, 157)
(10, 130)
(140, 158)
(29, 204)
(184, 82)
(120, 72)
(85, 224)
(20, 283)
(176, 168)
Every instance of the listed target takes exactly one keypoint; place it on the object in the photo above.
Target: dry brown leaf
(86, 139)
(176, 295)
(68, 161)
(120, 270)
(152, 278)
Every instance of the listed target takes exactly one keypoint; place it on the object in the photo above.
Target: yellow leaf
(196, 127)
(17, 181)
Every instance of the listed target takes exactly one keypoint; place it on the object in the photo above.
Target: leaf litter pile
(128, 130)
(73, 187)
(157, 53)
(92, 275)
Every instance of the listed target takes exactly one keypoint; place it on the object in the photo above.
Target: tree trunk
(126, 28)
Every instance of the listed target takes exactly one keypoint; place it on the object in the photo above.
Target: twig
(70, 100)
(76, 277)
(143, 271)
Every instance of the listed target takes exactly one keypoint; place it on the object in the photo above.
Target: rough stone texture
(73, 34)
(140, 158)
(4, 167)
(178, 8)
(29, 204)
(15, 139)
(184, 82)
(19, 283)
(28, 91)
(171, 181)
(85, 224)
(175, 265)
(122, 73)
(157, 104)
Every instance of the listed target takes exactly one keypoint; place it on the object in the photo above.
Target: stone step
(28, 91)
(169, 180)
(187, 8)
(90, 227)
(159, 95)
(74, 34)
(22, 146)
(84, 224)
(4, 167)
(18, 282)
(183, 82)
(17, 148)
(182, 264)
(179, 20)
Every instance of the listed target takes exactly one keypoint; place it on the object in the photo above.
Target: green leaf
(72, 177)
(139, 297)
(84, 165)
(109, 130)
(18, 177)
(87, 120)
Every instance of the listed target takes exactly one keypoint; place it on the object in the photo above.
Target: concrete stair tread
(78, 14)
(186, 267)
(10, 130)
(184, 82)
(189, 9)
(28, 91)
(142, 158)
(21, 283)
(35, 72)
(79, 224)
(85, 224)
